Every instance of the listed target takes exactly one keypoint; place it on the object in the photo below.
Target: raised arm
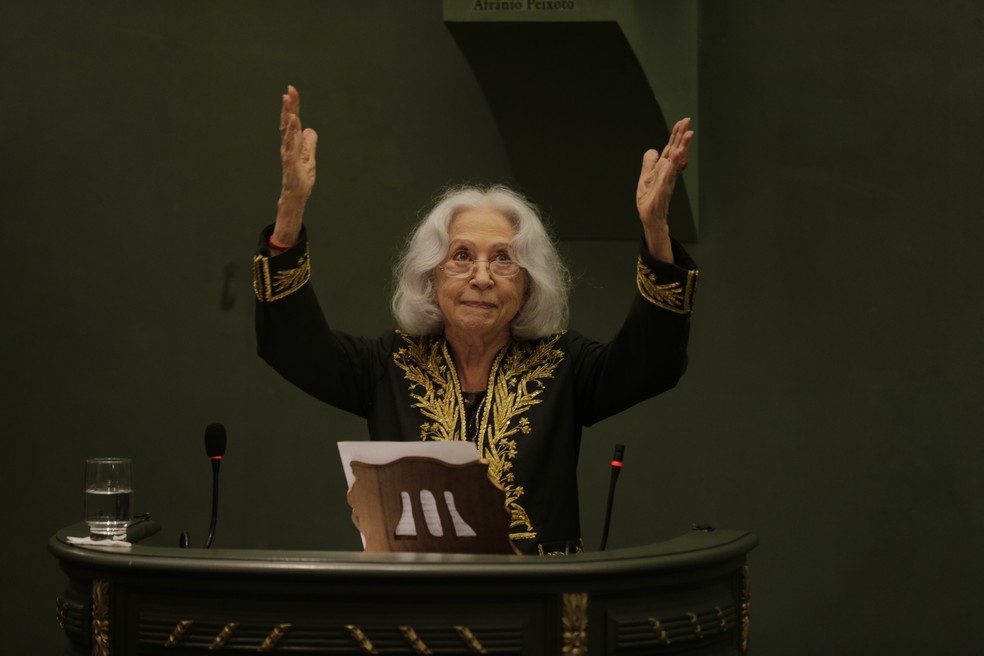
(656, 182)
(297, 151)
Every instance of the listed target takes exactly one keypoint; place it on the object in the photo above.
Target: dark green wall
(831, 402)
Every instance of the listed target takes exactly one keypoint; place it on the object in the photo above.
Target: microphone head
(215, 440)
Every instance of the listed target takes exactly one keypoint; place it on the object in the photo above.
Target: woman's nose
(481, 277)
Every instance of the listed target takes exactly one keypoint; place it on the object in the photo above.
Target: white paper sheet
(380, 453)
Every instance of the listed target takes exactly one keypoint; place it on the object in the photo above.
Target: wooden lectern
(685, 595)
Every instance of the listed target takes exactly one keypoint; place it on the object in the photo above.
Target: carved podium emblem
(426, 505)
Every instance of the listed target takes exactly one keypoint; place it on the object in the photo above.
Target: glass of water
(108, 497)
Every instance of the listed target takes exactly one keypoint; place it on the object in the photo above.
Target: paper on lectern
(380, 453)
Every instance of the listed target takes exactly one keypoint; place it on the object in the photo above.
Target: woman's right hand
(297, 149)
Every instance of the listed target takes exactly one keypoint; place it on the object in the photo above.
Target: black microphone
(215, 446)
(215, 443)
(616, 470)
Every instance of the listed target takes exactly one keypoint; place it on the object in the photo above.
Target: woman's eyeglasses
(465, 268)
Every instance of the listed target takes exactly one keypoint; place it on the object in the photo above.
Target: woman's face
(480, 305)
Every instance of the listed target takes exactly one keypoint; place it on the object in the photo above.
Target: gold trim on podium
(361, 639)
(276, 635)
(470, 640)
(414, 640)
(224, 635)
(177, 635)
(575, 624)
(100, 618)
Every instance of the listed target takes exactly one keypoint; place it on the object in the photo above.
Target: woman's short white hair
(544, 311)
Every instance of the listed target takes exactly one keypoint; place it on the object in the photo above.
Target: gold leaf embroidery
(670, 296)
(515, 384)
(282, 283)
(431, 387)
(292, 278)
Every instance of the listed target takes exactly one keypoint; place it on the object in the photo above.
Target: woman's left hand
(656, 183)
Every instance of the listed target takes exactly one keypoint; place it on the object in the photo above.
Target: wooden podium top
(692, 549)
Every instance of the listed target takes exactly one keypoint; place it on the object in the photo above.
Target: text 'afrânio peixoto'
(521, 5)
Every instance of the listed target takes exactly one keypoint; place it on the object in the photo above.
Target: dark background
(832, 402)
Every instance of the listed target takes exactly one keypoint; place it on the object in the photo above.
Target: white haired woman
(482, 352)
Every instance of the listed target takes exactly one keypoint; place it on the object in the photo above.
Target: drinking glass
(108, 497)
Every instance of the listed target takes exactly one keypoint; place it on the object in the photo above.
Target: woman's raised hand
(656, 183)
(297, 150)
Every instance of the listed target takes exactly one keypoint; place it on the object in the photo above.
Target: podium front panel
(689, 594)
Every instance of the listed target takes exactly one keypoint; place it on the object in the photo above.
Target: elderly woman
(482, 353)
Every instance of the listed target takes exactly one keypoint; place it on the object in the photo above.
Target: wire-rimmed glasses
(465, 268)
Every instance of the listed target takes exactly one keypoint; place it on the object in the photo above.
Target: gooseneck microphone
(616, 470)
(215, 446)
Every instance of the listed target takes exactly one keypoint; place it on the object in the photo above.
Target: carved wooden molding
(575, 624)
(100, 618)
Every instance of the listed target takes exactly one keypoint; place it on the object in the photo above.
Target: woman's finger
(293, 100)
(649, 160)
(676, 137)
(309, 144)
(290, 145)
(290, 104)
(284, 115)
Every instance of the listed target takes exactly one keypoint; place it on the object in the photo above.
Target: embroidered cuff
(272, 282)
(668, 289)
